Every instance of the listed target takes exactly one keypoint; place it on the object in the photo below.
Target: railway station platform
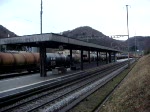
(23, 81)
(29, 80)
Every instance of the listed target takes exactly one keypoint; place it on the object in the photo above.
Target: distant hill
(140, 43)
(4, 32)
(89, 34)
(81, 32)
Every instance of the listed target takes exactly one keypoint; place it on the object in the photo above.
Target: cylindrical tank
(58, 59)
(19, 59)
(63, 59)
(85, 57)
(37, 57)
(6, 59)
(50, 59)
(77, 57)
(91, 57)
(67, 60)
(29, 57)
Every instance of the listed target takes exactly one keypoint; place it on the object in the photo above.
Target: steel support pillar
(114, 57)
(109, 57)
(100, 59)
(89, 56)
(42, 60)
(106, 58)
(71, 63)
(81, 59)
(97, 58)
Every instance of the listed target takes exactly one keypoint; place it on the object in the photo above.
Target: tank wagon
(55, 60)
(77, 58)
(18, 61)
(123, 56)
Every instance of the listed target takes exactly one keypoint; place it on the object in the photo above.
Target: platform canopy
(51, 40)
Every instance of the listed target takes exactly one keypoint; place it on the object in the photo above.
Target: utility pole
(41, 15)
(35, 49)
(135, 46)
(128, 36)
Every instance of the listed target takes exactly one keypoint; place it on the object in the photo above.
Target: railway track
(65, 91)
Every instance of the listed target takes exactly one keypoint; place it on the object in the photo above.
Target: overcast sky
(107, 16)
